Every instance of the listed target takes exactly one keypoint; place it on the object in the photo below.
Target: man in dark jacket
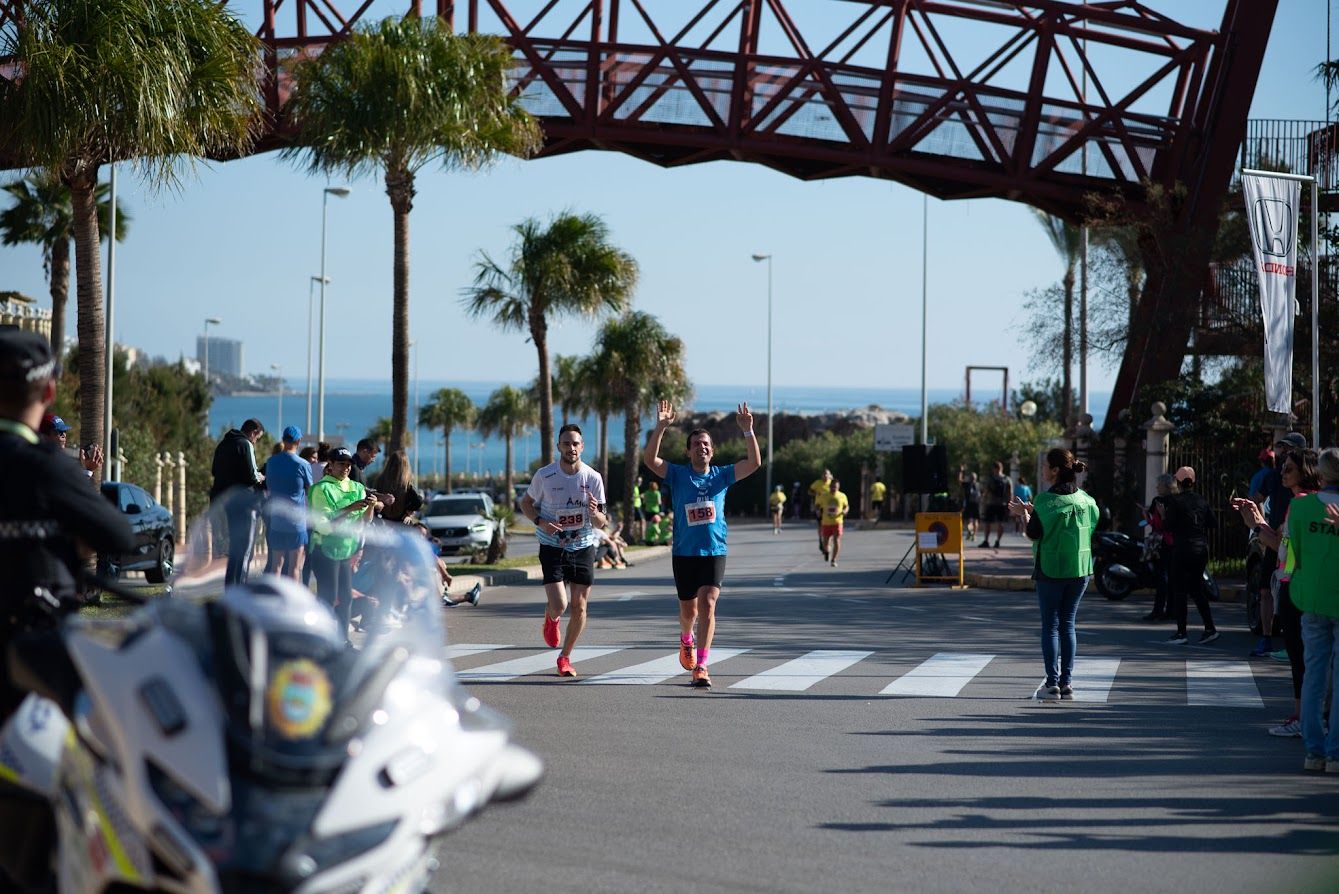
(1187, 520)
(236, 481)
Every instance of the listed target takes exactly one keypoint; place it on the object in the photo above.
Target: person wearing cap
(54, 429)
(237, 482)
(340, 507)
(50, 519)
(1187, 519)
(288, 477)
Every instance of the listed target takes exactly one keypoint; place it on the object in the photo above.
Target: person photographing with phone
(340, 507)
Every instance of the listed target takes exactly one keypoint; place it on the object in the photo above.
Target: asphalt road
(1163, 780)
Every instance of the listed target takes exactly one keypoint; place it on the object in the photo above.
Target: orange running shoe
(701, 679)
(565, 667)
(551, 632)
(687, 657)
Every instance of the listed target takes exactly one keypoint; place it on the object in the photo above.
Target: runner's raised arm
(651, 455)
(751, 463)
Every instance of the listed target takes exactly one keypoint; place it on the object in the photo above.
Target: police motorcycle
(229, 739)
(1123, 564)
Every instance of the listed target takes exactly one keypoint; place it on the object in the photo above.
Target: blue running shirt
(563, 498)
(699, 508)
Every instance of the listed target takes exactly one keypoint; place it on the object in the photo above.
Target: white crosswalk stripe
(800, 673)
(1226, 684)
(520, 667)
(1093, 678)
(657, 671)
(944, 675)
(465, 650)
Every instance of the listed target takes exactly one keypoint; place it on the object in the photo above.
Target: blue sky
(240, 240)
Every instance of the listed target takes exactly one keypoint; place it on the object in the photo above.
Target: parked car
(460, 522)
(151, 522)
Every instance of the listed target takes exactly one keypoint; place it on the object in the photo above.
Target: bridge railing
(1299, 147)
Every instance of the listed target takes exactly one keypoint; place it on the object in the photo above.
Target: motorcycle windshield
(301, 668)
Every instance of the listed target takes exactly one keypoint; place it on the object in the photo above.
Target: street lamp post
(768, 259)
(209, 321)
(311, 298)
(279, 373)
(339, 192)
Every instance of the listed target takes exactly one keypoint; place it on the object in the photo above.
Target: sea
(352, 407)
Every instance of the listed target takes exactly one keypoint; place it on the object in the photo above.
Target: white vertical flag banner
(1272, 206)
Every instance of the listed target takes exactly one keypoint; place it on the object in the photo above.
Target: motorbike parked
(1122, 564)
(230, 740)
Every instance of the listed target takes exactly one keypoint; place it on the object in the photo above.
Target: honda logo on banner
(1272, 204)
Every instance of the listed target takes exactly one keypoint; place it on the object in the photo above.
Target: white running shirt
(562, 498)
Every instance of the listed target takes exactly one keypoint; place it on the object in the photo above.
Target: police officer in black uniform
(51, 517)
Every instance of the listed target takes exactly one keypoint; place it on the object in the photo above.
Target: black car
(154, 538)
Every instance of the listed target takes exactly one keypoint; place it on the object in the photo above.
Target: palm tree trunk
(446, 448)
(632, 423)
(604, 447)
(507, 477)
(540, 336)
(88, 286)
(400, 188)
(60, 293)
(1068, 383)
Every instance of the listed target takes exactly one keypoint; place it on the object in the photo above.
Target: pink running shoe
(551, 631)
(565, 667)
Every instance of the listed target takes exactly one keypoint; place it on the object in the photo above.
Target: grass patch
(516, 562)
(1234, 568)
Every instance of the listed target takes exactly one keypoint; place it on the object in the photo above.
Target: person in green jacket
(340, 507)
(1313, 549)
(1060, 523)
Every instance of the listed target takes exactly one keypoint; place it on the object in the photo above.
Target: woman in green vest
(339, 508)
(1060, 523)
(1313, 541)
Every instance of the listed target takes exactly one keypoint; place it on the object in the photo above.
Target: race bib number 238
(703, 513)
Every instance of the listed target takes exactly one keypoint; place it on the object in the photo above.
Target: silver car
(460, 522)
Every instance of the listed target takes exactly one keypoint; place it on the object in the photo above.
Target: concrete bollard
(1156, 444)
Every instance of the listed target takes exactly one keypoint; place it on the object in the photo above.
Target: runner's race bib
(571, 519)
(703, 513)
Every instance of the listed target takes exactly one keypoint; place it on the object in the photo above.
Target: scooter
(230, 740)
(1122, 564)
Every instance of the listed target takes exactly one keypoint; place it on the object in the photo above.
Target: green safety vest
(336, 540)
(1067, 523)
(636, 497)
(1313, 540)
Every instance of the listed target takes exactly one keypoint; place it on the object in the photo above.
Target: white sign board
(888, 438)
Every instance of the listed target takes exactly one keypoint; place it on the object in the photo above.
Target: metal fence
(1222, 471)
(1298, 147)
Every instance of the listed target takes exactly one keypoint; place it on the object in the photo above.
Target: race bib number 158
(703, 513)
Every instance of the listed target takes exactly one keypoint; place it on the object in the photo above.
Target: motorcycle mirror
(518, 771)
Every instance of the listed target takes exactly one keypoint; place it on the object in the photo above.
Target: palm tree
(642, 363)
(1068, 242)
(596, 397)
(394, 97)
(42, 215)
(568, 267)
(566, 385)
(111, 80)
(509, 412)
(448, 409)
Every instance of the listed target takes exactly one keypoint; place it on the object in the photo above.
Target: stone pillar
(1015, 469)
(158, 478)
(179, 508)
(1156, 443)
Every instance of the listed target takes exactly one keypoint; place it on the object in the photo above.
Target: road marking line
(520, 667)
(464, 650)
(778, 581)
(625, 597)
(658, 670)
(800, 673)
(944, 675)
(1093, 678)
(1221, 684)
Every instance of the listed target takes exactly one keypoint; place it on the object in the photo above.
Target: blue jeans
(1320, 640)
(1059, 600)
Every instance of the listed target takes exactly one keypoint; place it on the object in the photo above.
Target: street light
(768, 259)
(311, 293)
(339, 192)
(279, 372)
(209, 321)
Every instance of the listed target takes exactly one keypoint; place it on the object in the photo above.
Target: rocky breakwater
(788, 427)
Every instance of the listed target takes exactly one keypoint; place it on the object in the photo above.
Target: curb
(1232, 594)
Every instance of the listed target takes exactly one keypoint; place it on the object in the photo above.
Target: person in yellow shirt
(817, 492)
(833, 507)
(878, 491)
(776, 502)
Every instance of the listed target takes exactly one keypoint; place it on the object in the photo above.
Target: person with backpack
(971, 502)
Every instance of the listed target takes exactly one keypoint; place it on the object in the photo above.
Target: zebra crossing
(1209, 682)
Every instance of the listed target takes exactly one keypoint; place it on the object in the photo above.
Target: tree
(509, 412)
(642, 363)
(42, 215)
(1068, 242)
(448, 409)
(568, 267)
(566, 385)
(104, 81)
(596, 397)
(395, 97)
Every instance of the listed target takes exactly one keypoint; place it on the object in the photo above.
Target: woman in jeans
(1060, 523)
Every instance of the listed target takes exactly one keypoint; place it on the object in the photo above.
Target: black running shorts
(575, 566)
(692, 573)
(996, 514)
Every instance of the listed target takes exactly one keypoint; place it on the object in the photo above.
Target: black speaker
(924, 471)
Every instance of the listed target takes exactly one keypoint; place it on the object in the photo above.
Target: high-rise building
(225, 355)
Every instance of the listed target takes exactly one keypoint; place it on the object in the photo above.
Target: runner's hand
(744, 417)
(592, 507)
(664, 414)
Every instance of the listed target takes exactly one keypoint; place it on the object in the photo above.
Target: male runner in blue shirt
(698, 554)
